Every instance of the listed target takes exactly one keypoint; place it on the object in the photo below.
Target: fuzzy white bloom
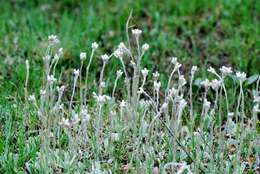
(156, 85)
(56, 57)
(103, 84)
(206, 83)
(182, 104)
(76, 72)
(61, 89)
(145, 47)
(182, 80)
(83, 56)
(105, 57)
(174, 60)
(194, 69)
(211, 70)
(123, 104)
(65, 122)
(241, 76)
(136, 32)
(75, 118)
(101, 98)
(94, 45)
(42, 92)
(206, 104)
(51, 79)
(32, 98)
(215, 84)
(53, 39)
(60, 52)
(85, 116)
(156, 75)
(119, 73)
(118, 53)
(145, 72)
(226, 70)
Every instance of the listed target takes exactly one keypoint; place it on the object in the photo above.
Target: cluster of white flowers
(101, 98)
(145, 72)
(226, 70)
(105, 57)
(51, 79)
(136, 32)
(145, 47)
(76, 72)
(94, 45)
(53, 39)
(241, 76)
(83, 56)
(119, 73)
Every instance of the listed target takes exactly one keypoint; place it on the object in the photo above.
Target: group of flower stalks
(166, 129)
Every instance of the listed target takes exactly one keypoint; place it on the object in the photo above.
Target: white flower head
(119, 73)
(145, 72)
(226, 70)
(104, 57)
(118, 53)
(56, 57)
(182, 104)
(194, 69)
(94, 45)
(206, 104)
(101, 98)
(42, 92)
(51, 79)
(32, 98)
(53, 39)
(156, 75)
(61, 89)
(211, 70)
(103, 84)
(60, 52)
(123, 104)
(174, 60)
(65, 122)
(83, 56)
(145, 47)
(182, 80)
(157, 85)
(215, 84)
(241, 76)
(85, 116)
(76, 72)
(75, 118)
(136, 32)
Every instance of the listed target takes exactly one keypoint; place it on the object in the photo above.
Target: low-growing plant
(147, 129)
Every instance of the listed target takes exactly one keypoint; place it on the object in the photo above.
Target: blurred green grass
(199, 32)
